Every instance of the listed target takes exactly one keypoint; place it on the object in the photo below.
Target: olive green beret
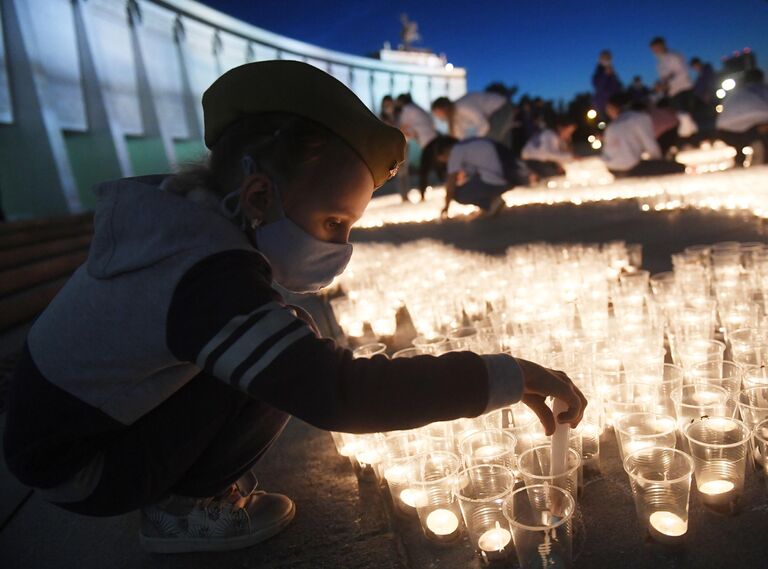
(304, 90)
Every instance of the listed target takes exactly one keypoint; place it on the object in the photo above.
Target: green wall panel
(147, 155)
(92, 159)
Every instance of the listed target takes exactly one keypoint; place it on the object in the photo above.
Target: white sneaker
(232, 521)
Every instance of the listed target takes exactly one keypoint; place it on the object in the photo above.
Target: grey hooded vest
(103, 338)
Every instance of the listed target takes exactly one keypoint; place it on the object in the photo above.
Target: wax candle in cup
(719, 447)
(660, 479)
(481, 498)
(436, 477)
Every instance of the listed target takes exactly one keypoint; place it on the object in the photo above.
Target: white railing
(92, 80)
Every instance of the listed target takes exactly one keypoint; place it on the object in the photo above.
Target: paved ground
(342, 523)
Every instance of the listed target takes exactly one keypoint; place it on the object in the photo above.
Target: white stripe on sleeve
(261, 331)
(228, 329)
(271, 354)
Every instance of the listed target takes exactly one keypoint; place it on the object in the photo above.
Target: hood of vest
(139, 224)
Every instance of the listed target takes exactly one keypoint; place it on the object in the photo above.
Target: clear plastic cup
(628, 398)
(541, 517)
(696, 401)
(535, 468)
(644, 430)
(481, 493)
(489, 446)
(720, 448)
(369, 350)
(722, 373)
(753, 405)
(661, 486)
(438, 511)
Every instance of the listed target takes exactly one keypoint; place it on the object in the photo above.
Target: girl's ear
(257, 198)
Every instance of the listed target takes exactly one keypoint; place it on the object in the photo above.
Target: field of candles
(673, 365)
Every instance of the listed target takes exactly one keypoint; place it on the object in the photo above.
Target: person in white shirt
(629, 146)
(479, 172)
(547, 150)
(419, 126)
(744, 120)
(673, 74)
(416, 123)
(477, 114)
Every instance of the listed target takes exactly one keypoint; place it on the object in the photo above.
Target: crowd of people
(483, 143)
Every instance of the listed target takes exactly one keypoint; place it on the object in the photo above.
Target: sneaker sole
(192, 545)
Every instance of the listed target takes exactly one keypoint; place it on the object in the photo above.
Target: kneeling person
(630, 148)
(169, 363)
(479, 172)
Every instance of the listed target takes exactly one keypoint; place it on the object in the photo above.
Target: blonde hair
(282, 143)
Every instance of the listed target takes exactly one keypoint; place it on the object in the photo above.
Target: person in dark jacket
(170, 362)
(604, 81)
(704, 88)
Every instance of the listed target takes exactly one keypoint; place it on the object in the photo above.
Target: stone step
(25, 254)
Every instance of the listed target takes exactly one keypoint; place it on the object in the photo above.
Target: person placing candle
(170, 362)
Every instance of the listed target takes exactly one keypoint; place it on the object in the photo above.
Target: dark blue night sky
(547, 47)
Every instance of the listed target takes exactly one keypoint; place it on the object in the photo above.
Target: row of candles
(673, 363)
(730, 190)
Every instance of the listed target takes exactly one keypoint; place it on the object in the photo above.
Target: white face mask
(300, 262)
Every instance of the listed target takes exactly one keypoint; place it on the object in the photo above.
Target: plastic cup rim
(567, 472)
(463, 498)
(672, 429)
(507, 508)
(677, 452)
(740, 423)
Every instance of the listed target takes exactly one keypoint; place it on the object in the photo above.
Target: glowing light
(591, 114)
(442, 522)
(494, 539)
(748, 151)
(720, 93)
(728, 84)
(601, 125)
(591, 138)
(719, 108)
(715, 487)
(449, 66)
(668, 524)
(596, 144)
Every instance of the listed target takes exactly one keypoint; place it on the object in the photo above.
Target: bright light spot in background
(449, 66)
(748, 151)
(413, 195)
(591, 138)
(591, 114)
(588, 180)
(728, 84)
(596, 144)
(719, 108)
(720, 93)
(601, 125)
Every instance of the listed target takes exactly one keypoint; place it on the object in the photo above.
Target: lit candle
(667, 527)
(487, 451)
(396, 475)
(719, 495)
(632, 446)
(495, 539)
(413, 498)
(442, 522)
(706, 397)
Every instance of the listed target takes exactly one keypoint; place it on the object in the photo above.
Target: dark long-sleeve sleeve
(226, 318)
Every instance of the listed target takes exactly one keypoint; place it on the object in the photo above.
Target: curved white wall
(112, 88)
